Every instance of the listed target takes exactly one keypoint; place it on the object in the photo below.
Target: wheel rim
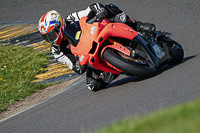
(138, 61)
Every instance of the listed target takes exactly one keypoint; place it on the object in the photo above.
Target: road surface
(77, 109)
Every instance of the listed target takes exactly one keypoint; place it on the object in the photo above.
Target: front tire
(175, 51)
(127, 66)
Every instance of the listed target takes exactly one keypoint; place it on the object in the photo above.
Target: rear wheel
(136, 66)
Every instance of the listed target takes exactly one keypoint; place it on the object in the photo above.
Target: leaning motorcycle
(119, 49)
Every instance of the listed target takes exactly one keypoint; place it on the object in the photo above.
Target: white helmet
(51, 26)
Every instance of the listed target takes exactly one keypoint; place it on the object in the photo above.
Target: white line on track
(46, 99)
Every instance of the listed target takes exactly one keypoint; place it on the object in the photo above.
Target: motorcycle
(117, 48)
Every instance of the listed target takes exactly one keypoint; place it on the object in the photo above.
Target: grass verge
(18, 68)
(179, 119)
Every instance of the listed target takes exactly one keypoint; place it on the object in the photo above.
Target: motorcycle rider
(52, 27)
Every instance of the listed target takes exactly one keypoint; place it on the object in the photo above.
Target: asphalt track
(76, 109)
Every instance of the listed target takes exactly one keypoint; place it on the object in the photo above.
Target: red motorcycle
(119, 49)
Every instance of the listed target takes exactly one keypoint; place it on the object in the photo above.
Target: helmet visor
(52, 36)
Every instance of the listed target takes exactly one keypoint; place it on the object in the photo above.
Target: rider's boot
(145, 27)
(141, 27)
(96, 80)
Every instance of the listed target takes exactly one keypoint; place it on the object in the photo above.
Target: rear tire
(127, 66)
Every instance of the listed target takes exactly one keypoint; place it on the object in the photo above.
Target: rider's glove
(112, 10)
(78, 68)
(101, 14)
(98, 9)
(145, 27)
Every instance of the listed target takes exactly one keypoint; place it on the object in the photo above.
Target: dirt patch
(34, 98)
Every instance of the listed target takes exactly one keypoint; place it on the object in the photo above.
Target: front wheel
(175, 51)
(129, 65)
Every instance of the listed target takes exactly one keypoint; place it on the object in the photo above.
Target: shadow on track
(137, 79)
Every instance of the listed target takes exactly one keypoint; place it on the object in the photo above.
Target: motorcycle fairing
(93, 36)
(86, 42)
(71, 31)
(118, 30)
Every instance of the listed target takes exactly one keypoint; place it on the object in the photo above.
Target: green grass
(18, 68)
(179, 119)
